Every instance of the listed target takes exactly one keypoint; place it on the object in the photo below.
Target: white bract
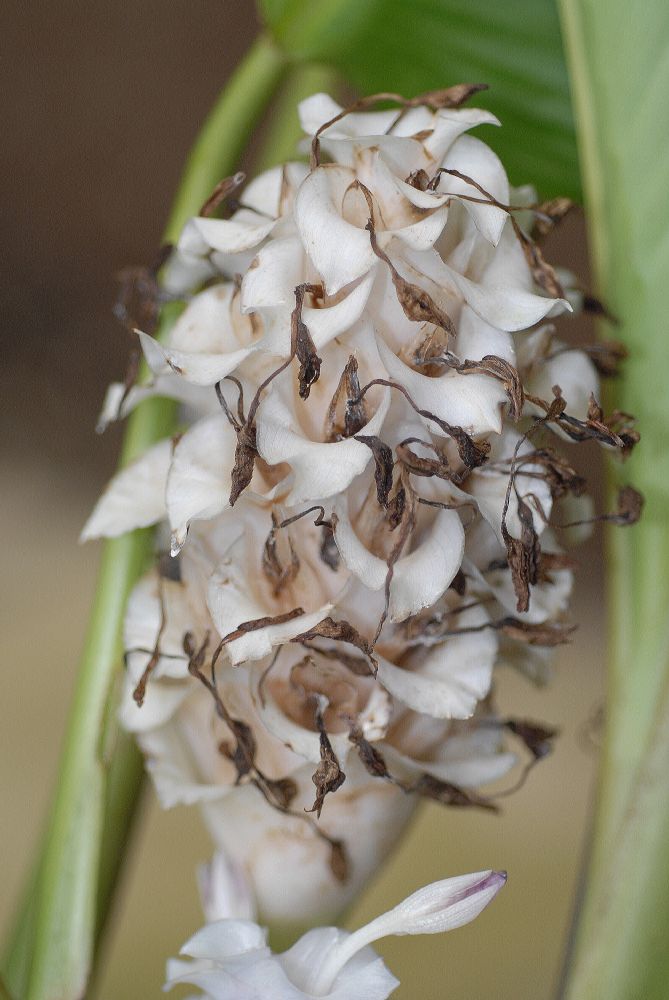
(358, 504)
(230, 960)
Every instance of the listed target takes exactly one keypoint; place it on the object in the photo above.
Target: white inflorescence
(359, 503)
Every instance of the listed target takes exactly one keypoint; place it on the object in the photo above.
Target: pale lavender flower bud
(230, 959)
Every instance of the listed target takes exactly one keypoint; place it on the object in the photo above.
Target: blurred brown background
(102, 102)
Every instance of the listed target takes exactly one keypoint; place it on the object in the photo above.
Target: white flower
(361, 504)
(230, 960)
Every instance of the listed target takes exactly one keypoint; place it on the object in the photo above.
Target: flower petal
(224, 939)
(248, 977)
(364, 975)
(232, 603)
(419, 578)
(135, 497)
(224, 890)
(242, 232)
(504, 307)
(469, 760)
(420, 235)
(159, 611)
(314, 111)
(198, 368)
(476, 338)
(574, 372)
(331, 321)
(161, 701)
(449, 125)
(270, 281)
(267, 193)
(318, 215)
(473, 158)
(451, 677)
(119, 401)
(320, 469)
(422, 576)
(199, 480)
(367, 567)
(468, 401)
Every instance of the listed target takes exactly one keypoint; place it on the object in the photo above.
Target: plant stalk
(619, 69)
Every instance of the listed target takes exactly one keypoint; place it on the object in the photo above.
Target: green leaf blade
(516, 48)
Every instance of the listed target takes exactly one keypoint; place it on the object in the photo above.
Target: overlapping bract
(358, 520)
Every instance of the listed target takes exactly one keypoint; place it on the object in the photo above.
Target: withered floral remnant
(224, 189)
(328, 776)
(367, 498)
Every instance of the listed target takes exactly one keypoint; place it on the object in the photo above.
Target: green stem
(66, 904)
(619, 69)
(125, 781)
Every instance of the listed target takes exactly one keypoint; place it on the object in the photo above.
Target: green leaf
(619, 64)
(421, 45)
(273, 10)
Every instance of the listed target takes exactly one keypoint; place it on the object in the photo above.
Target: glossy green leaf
(415, 45)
